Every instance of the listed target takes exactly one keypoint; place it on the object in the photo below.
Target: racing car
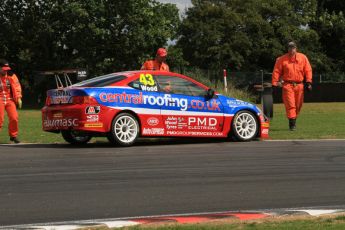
(126, 105)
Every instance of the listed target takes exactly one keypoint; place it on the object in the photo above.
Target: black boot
(292, 124)
(15, 140)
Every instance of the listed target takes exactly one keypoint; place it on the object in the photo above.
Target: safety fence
(328, 87)
(322, 92)
(240, 78)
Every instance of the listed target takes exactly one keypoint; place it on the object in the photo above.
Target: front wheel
(124, 130)
(244, 126)
(75, 137)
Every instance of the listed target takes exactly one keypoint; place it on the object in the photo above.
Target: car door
(149, 107)
(187, 111)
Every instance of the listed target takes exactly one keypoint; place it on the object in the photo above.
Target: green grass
(30, 129)
(316, 121)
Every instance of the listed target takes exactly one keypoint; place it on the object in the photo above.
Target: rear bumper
(89, 118)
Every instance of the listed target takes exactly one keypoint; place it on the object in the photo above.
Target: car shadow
(141, 142)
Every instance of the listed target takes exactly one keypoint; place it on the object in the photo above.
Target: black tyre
(110, 137)
(124, 130)
(267, 104)
(244, 126)
(75, 137)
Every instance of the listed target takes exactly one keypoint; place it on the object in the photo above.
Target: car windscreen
(101, 81)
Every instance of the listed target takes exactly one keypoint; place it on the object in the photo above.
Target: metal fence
(241, 78)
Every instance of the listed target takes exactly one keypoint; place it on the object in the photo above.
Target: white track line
(316, 212)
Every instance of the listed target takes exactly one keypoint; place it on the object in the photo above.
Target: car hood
(233, 105)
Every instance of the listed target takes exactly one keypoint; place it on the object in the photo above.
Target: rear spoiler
(81, 75)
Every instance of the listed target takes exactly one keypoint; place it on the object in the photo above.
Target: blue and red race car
(123, 106)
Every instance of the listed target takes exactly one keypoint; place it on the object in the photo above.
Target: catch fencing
(327, 87)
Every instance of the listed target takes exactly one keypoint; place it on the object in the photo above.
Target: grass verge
(316, 121)
(30, 129)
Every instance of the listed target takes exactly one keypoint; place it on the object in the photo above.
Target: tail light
(48, 101)
(84, 100)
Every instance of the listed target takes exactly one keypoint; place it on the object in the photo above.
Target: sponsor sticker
(166, 100)
(211, 105)
(153, 121)
(60, 100)
(181, 123)
(153, 131)
(172, 122)
(61, 93)
(92, 110)
(202, 123)
(93, 125)
(61, 97)
(57, 115)
(195, 133)
(235, 103)
(92, 118)
(60, 123)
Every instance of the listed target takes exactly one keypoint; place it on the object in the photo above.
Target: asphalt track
(48, 183)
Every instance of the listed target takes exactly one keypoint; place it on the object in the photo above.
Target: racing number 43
(147, 79)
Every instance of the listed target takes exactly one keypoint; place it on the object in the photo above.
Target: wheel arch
(132, 113)
(255, 113)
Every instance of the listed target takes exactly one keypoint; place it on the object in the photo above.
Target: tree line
(113, 35)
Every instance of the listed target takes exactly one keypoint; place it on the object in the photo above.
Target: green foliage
(331, 6)
(107, 36)
(331, 29)
(175, 58)
(101, 36)
(249, 35)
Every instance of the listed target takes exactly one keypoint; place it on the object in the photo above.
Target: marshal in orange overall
(10, 98)
(291, 71)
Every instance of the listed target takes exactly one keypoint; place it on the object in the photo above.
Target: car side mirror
(210, 94)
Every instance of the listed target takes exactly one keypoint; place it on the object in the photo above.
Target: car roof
(131, 75)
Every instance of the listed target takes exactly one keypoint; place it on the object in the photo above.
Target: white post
(225, 81)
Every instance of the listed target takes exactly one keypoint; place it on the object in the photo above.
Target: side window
(176, 85)
(146, 82)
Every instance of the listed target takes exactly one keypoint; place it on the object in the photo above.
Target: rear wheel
(244, 126)
(124, 130)
(75, 137)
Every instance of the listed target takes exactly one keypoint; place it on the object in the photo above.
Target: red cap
(162, 52)
(6, 67)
